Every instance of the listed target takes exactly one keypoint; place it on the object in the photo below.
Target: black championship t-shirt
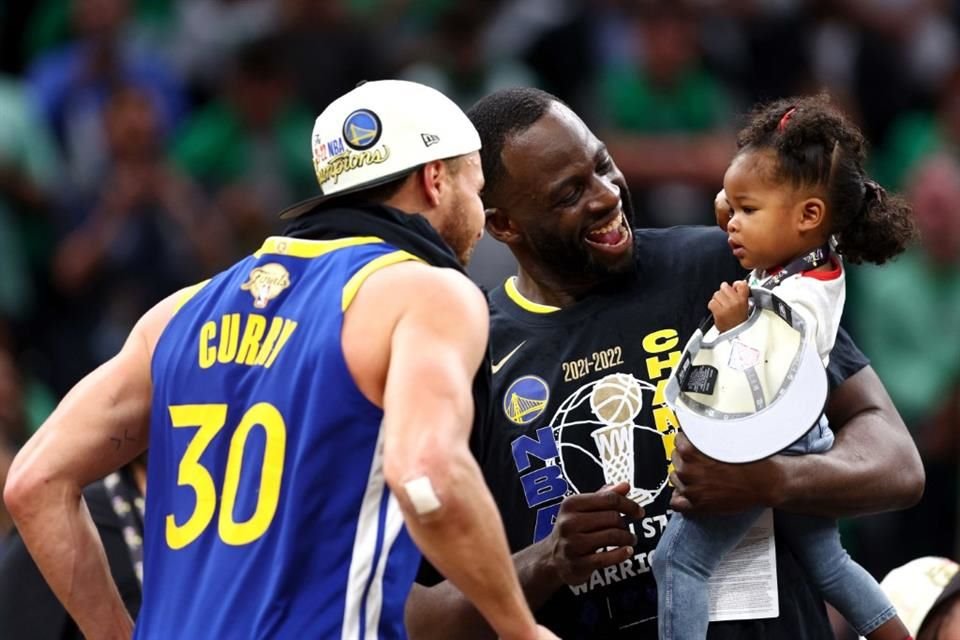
(577, 403)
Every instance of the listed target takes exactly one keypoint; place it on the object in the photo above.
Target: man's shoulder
(496, 298)
(689, 242)
(413, 276)
(681, 232)
(693, 254)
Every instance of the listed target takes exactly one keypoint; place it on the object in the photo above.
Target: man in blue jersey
(300, 408)
(583, 340)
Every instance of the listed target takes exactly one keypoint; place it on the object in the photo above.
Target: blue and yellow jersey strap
(353, 284)
(510, 287)
(188, 293)
(301, 248)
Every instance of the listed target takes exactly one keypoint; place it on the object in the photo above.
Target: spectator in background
(246, 148)
(328, 51)
(759, 46)
(73, 83)
(28, 171)
(666, 116)
(141, 236)
(455, 61)
(555, 39)
(48, 26)
(209, 33)
(916, 135)
(907, 317)
(902, 50)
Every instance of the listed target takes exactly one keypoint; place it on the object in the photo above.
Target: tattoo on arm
(119, 441)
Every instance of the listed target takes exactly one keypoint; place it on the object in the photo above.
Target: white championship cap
(752, 390)
(379, 131)
(920, 586)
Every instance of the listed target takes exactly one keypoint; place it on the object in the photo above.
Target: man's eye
(570, 198)
(605, 165)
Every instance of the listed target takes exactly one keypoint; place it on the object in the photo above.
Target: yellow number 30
(210, 418)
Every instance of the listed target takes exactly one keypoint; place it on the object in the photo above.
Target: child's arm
(729, 305)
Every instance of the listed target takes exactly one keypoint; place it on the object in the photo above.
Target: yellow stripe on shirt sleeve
(188, 293)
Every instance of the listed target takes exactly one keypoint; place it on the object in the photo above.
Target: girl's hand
(730, 305)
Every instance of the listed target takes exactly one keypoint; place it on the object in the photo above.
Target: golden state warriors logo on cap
(361, 129)
(526, 399)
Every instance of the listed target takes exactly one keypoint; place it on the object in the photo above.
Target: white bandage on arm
(421, 494)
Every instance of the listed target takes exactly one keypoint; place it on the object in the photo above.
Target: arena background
(145, 144)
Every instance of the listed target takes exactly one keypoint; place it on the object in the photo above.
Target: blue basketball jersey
(267, 511)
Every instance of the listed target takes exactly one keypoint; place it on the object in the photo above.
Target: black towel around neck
(409, 232)
(406, 231)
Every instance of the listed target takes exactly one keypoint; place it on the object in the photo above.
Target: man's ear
(812, 214)
(500, 226)
(432, 177)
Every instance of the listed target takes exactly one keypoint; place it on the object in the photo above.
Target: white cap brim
(740, 437)
(769, 430)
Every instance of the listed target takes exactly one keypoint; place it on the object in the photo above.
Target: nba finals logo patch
(361, 129)
(266, 282)
(526, 399)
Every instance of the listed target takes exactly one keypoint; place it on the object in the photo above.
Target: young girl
(795, 190)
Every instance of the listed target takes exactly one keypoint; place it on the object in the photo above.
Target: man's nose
(606, 194)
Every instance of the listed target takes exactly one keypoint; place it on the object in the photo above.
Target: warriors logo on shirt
(526, 399)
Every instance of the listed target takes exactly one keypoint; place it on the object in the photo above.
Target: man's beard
(456, 233)
(565, 256)
(571, 257)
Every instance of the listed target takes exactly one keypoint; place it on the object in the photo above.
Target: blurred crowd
(145, 144)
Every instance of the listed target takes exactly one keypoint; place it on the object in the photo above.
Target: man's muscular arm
(873, 466)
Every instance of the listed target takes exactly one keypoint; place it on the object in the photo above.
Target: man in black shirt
(583, 340)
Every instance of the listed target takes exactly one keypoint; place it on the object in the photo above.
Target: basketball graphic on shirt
(616, 399)
(599, 440)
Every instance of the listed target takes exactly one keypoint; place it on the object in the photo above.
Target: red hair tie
(786, 118)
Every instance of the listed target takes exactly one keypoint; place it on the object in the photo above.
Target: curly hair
(817, 146)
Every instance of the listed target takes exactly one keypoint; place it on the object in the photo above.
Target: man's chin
(610, 259)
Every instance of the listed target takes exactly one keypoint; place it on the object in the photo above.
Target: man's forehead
(551, 143)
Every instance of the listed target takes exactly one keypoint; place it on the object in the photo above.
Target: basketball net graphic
(616, 400)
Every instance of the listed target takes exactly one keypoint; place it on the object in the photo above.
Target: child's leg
(841, 581)
(685, 558)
